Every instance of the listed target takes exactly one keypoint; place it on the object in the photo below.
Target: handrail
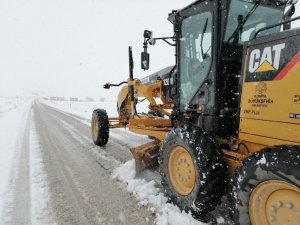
(275, 25)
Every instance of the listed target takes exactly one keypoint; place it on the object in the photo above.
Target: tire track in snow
(119, 141)
(117, 148)
(41, 210)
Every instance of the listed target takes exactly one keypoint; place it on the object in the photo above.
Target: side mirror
(145, 59)
(152, 41)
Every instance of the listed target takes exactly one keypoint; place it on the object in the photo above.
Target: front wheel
(100, 127)
(192, 170)
(266, 189)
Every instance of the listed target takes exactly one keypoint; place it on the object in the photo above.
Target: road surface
(60, 177)
(77, 174)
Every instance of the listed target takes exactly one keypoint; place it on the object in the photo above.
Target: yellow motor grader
(226, 118)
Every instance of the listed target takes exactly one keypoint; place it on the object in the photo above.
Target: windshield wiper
(202, 34)
(241, 22)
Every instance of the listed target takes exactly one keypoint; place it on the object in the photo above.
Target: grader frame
(153, 126)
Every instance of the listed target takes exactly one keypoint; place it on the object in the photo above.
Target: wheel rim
(95, 128)
(275, 202)
(181, 170)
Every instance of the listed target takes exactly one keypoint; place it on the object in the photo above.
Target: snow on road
(148, 194)
(146, 191)
(24, 194)
(41, 210)
(24, 198)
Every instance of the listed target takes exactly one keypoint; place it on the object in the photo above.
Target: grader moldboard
(229, 118)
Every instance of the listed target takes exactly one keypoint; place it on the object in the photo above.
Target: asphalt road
(81, 190)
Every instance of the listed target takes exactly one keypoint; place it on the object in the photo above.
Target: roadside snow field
(145, 191)
(9, 104)
(23, 184)
(12, 114)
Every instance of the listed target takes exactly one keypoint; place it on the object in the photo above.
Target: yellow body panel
(267, 108)
(156, 127)
(123, 94)
(284, 133)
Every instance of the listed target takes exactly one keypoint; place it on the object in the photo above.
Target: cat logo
(265, 60)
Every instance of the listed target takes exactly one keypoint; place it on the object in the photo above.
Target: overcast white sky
(72, 47)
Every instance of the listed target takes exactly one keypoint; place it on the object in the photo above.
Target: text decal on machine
(265, 60)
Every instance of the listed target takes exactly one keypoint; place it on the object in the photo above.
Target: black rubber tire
(276, 163)
(101, 138)
(209, 168)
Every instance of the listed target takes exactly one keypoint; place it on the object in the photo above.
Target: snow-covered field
(11, 113)
(8, 104)
(144, 190)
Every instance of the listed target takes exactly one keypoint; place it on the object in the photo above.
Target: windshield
(245, 18)
(195, 54)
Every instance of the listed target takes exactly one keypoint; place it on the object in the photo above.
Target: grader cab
(228, 116)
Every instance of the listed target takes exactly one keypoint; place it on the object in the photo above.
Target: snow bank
(11, 123)
(149, 195)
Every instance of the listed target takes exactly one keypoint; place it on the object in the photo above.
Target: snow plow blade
(145, 155)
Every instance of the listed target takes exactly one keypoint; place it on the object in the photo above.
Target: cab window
(195, 54)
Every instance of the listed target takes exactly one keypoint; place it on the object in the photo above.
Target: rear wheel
(100, 127)
(267, 188)
(191, 170)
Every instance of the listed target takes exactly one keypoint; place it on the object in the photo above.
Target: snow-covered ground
(13, 128)
(149, 195)
(8, 104)
(84, 109)
(145, 191)
(41, 210)
(12, 111)
(18, 137)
